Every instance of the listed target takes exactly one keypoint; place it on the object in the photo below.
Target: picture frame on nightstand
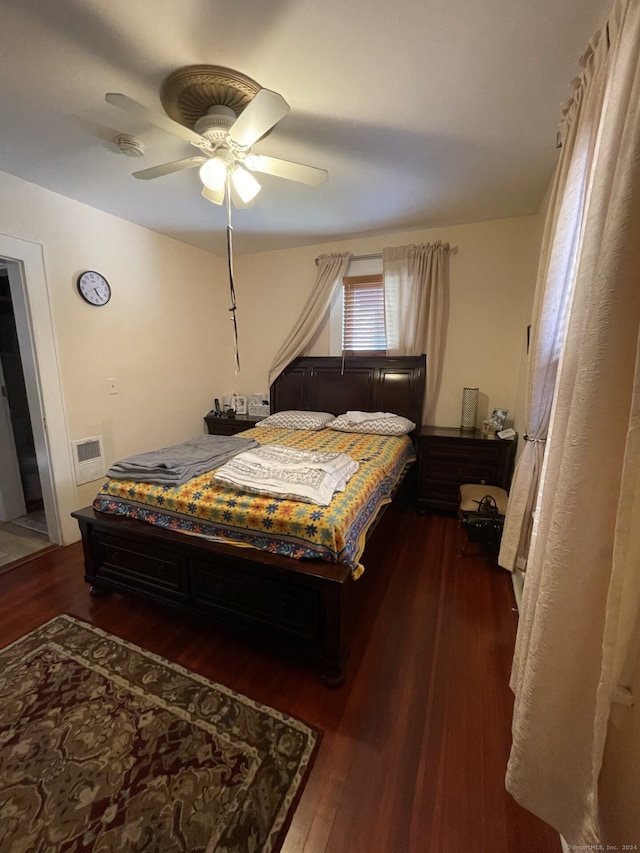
(499, 417)
(239, 404)
(258, 408)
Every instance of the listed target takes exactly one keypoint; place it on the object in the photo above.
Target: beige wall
(492, 272)
(164, 335)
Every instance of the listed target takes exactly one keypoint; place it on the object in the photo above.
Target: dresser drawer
(448, 458)
(442, 493)
(466, 473)
(220, 428)
(241, 598)
(448, 453)
(230, 426)
(147, 570)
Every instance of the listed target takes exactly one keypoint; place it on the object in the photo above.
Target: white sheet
(284, 472)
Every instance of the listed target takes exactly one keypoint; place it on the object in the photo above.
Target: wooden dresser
(224, 425)
(449, 457)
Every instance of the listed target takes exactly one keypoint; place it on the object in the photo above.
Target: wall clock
(94, 288)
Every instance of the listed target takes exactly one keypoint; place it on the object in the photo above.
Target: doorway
(22, 501)
(23, 524)
(24, 260)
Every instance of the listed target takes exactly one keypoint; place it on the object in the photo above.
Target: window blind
(363, 314)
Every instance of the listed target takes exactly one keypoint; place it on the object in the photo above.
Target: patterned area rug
(106, 747)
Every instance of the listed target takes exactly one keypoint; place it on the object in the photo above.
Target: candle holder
(469, 415)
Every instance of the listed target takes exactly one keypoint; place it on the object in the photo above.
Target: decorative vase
(469, 415)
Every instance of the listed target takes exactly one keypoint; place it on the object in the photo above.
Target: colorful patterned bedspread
(335, 533)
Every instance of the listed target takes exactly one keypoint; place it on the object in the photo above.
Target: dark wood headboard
(367, 383)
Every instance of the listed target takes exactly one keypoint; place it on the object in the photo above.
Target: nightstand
(230, 426)
(449, 457)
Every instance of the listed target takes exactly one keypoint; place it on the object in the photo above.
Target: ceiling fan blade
(168, 168)
(215, 196)
(259, 116)
(286, 169)
(132, 107)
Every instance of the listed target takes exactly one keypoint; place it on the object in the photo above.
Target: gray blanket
(173, 466)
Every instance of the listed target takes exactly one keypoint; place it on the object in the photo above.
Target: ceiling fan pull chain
(232, 289)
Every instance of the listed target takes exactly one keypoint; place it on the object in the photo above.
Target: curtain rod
(373, 257)
(378, 255)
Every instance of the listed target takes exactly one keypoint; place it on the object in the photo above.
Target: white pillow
(294, 419)
(388, 424)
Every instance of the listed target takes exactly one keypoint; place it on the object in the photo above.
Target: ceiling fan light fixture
(214, 196)
(245, 184)
(213, 174)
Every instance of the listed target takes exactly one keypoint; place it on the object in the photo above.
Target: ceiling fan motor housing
(188, 93)
(216, 123)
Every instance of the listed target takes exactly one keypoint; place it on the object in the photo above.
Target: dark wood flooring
(415, 743)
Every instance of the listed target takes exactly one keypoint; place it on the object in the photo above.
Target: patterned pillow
(390, 424)
(294, 419)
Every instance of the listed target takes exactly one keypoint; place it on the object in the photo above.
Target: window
(363, 326)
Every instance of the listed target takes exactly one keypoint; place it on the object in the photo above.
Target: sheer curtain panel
(556, 276)
(331, 271)
(416, 287)
(577, 641)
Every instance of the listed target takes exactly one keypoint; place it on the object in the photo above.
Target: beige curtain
(556, 277)
(416, 287)
(331, 271)
(578, 628)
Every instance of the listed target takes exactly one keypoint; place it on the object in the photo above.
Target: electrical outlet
(112, 386)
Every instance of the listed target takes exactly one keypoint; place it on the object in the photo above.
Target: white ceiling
(424, 113)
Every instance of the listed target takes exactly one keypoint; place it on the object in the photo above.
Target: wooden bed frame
(300, 605)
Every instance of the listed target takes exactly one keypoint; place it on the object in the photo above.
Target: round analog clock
(94, 288)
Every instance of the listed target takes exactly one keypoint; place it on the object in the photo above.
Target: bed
(279, 590)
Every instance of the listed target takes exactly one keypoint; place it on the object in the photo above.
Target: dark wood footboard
(298, 606)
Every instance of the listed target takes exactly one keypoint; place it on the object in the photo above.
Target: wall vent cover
(88, 460)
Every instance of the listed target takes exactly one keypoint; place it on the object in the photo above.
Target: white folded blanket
(311, 476)
(361, 417)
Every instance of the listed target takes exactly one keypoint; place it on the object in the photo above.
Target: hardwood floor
(415, 743)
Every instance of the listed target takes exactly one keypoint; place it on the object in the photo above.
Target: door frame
(32, 309)
(12, 503)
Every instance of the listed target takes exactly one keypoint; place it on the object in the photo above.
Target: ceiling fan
(222, 113)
